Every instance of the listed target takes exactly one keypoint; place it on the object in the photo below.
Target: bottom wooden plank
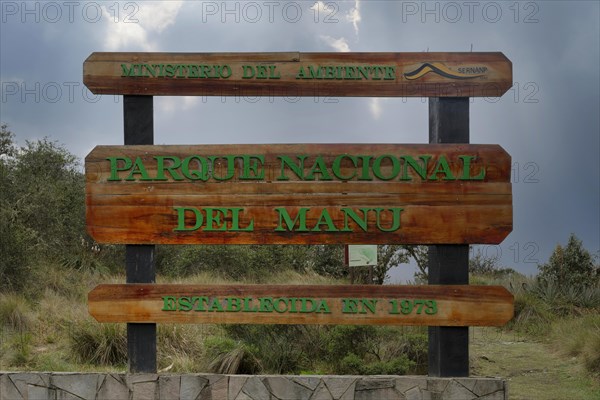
(453, 305)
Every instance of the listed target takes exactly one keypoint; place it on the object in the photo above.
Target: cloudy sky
(548, 121)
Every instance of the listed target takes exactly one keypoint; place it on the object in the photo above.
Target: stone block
(321, 393)
(455, 390)
(437, 385)
(338, 385)
(284, 388)
(114, 387)
(387, 393)
(406, 383)
(369, 383)
(255, 389)
(8, 389)
(469, 383)
(168, 386)
(40, 393)
(413, 394)
(191, 386)
(310, 382)
(218, 387)
(84, 386)
(485, 386)
(236, 383)
(145, 390)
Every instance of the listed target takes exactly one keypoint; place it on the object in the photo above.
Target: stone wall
(94, 386)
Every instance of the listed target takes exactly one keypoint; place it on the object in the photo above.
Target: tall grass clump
(15, 313)
(98, 344)
(579, 337)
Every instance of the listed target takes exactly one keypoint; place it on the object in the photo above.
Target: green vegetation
(48, 264)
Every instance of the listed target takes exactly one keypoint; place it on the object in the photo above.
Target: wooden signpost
(299, 74)
(299, 194)
(448, 194)
(303, 304)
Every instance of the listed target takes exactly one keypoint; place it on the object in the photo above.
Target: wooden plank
(367, 197)
(303, 304)
(296, 74)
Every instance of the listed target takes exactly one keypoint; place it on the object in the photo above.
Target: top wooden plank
(296, 74)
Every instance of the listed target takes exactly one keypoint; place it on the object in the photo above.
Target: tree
(421, 256)
(572, 265)
(388, 256)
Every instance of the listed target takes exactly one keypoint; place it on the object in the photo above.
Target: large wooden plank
(303, 304)
(364, 194)
(295, 74)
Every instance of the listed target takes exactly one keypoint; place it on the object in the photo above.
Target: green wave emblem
(440, 69)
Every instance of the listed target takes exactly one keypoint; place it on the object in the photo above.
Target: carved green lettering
(172, 168)
(128, 70)
(337, 167)
(202, 301)
(300, 220)
(368, 304)
(253, 167)
(322, 307)
(247, 72)
(185, 304)
(169, 303)
(410, 162)
(266, 304)
(349, 214)
(197, 217)
(395, 219)
(365, 171)
(442, 167)
(319, 167)
(230, 164)
(296, 169)
(395, 167)
(280, 305)
(138, 169)
(201, 171)
(114, 167)
(325, 219)
(234, 304)
(215, 219)
(215, 305)
(349, 306)
(304, 305)
(466, 175)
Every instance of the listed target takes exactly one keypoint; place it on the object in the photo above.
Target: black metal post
(448, 264)
(138, 112)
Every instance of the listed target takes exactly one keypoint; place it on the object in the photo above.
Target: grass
(550, 350)
(534, 369)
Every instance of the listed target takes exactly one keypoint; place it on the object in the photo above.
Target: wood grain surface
(421, 74)
(429, 210)
(456, 305)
